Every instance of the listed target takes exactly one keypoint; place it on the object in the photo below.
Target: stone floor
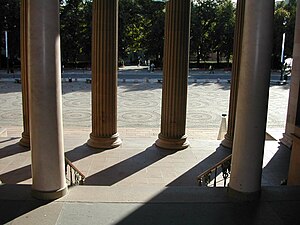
(139, 105)
(160, 206)
(138, 162)
(138, 183)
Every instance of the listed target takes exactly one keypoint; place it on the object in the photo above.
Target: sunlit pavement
(139, 183)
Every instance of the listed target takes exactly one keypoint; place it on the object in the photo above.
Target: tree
(212, 28)
(141, 24)
(154, 41)
(203, 22)
(224, 30)
(76, 30)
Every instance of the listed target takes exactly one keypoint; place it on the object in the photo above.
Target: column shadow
(12, 149)
(211, 206)
(190, 177)
(194, 205)
(17, 175)
(81, 152)
(17, 202)
(9, 139)
(128, 167)
(277, 169)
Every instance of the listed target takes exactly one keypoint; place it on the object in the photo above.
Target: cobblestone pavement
(139, 105)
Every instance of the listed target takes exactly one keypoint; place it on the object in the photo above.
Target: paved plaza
(137, 181)
(139, 124)
(139, 106)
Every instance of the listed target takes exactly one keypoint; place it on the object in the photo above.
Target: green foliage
(212, 27)
(224, 30)
(141, 29)
(76, 30)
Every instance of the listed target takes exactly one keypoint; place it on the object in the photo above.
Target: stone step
(147, 206)
(150, 194)
(153, 194)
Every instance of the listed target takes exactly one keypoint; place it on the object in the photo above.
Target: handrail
(75, 176)
(205, 178)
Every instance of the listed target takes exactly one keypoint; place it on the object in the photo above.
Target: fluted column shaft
(104, 75)
(45, 100)
(25, 140)
(252, 102)
(228, 139)
(176, 64)
(293, 119)
(292, 112)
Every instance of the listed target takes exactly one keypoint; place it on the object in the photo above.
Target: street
(136, 73)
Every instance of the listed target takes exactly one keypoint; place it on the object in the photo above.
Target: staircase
(217, 175)
(73, 175)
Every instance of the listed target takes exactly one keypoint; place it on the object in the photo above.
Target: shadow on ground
(17, 202)
(277, 169)
(190, 177)
(128, 167)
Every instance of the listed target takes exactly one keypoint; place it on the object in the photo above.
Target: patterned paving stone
(139, 105)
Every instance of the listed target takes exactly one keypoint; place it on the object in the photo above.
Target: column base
(227, 142)
(49, 195)
(243, 196)
(172, 144)
(104, 142)
(287, 140)
(25, 140)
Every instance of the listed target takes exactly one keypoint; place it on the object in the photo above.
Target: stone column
(176, 65)
(104, 75)
(238, 34)
(45, 100)
(292, 112)
(25, 140)
(253, 93)
(293, 118)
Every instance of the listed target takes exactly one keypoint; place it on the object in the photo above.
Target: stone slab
(3, 132)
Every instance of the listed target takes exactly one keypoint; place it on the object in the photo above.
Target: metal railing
(73, 175)
(209, 178)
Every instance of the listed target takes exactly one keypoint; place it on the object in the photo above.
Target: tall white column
(176, 64)
(252, 102)
(104, 75)
(45, 100)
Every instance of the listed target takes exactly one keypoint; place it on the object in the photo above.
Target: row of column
(104, 81)
(41, 86)
(41, 77)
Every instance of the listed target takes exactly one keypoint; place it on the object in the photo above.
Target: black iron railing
(211, 177)
(73, 175)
